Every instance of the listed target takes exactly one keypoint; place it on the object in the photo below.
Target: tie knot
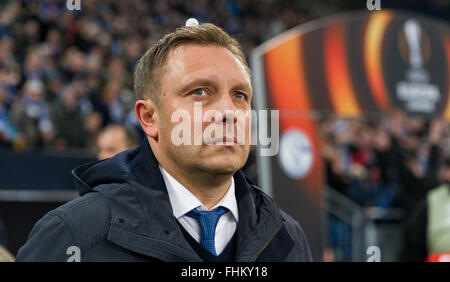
(208, 221)
(218, 212)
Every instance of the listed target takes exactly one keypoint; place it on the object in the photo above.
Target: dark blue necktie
(208, 222)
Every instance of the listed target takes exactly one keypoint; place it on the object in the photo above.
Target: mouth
(225, 141)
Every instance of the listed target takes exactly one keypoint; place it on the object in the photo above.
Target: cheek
(197, 126)
(244, 127)
(447, 174)
(182, 123)
(165, 127)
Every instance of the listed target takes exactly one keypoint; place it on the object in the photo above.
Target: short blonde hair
(148, 73)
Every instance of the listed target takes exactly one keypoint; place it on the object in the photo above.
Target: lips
(225, 141)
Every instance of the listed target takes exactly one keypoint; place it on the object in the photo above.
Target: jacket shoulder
(77, 225)
(297, 234)
(291, 225)
(87, 216)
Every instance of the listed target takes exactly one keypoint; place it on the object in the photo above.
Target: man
(115, 139)
(31, 116)
(426, 234)
(175, 202)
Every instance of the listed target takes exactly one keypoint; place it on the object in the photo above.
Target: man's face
(445, 173)
(110, 143)
(212, 77)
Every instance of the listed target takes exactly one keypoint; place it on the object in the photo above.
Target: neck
(208, 188)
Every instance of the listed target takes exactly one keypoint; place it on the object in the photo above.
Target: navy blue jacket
(124, 214)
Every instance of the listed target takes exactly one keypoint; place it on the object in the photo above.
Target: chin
(222, 166)
(222, 171)
(219, 160)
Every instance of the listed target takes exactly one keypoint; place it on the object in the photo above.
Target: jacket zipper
(268, 242)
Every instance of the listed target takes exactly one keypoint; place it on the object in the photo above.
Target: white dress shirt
(182, 201)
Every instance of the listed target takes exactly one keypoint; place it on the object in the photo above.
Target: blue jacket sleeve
(50, 239)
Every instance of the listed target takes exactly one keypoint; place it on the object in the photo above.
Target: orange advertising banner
(350, 65)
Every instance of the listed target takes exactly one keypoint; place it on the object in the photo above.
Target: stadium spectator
(68, 120)
(427, 229)
(8, 133)
(115, 139)
(113, 103)
(30, 114)
(417, 164)
(9, 69)
(93, 125)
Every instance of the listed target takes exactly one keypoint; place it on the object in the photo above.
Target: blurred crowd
(392, 162)
(388, 162)
(66, 82)
(65, 75)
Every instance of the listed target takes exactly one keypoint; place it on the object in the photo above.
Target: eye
(240, 96)
(199, 92)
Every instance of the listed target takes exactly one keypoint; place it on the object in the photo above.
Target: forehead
(113, 134)
(191, 61)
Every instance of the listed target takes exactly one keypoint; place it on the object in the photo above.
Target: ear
(147, 114)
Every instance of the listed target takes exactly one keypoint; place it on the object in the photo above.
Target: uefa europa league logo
(415, 48)
(413, 34)
(419, 94)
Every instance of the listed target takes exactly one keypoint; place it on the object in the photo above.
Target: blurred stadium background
(66, 75)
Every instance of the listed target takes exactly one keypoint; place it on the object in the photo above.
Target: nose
(227, 109)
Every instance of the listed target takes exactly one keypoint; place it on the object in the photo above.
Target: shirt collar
(182, 200)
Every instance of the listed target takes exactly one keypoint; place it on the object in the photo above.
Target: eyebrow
(212, 84)
(243, 86)
(198, 82)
